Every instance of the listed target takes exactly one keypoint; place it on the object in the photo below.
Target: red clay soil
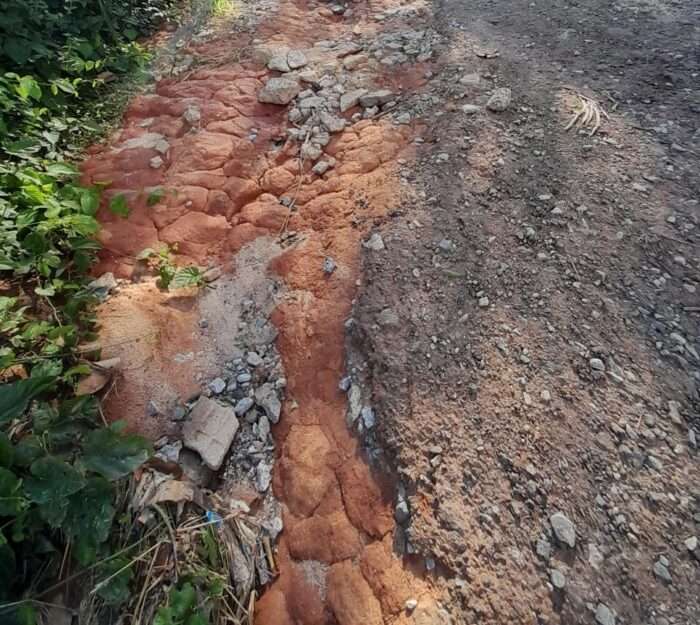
(222, 191)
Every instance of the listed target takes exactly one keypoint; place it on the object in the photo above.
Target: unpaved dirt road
(486, 323)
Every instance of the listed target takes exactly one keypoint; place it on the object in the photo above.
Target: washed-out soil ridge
(229, 177)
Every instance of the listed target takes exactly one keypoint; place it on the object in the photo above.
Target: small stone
(350, 99)
(279, 91)
(674, 412)
(192, 115)
(296, 59)
(483, 302)
(500, 100)
(263, 476)
(595, 557)
(104, 284)
(691, 544)
(254, 359)
(470, 80)
(263, 428)
(411, 604)
(243, 378)
(354, 404)
(375, 242)
(344, 384)
(596, 364)
(388, 318)
(564, 529)
(217, 386)
(368, 418)
(470, 109)
(156, 162)
(543, 549)
(402, 512)
(403, 119)
(546, 396)
(604, 615)
(557, 578)
(332, 122)
(375, 98)
(243, 406)
(661, 571)
(321, 168)
(278, 63)
(266, 398)
(329, 265)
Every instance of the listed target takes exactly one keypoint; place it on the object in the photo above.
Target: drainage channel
(273, 169)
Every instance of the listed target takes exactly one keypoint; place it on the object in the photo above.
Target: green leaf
(7, 451)
(15, 397)
(196, 619)
(183, 601)
(26, 614)
(187, 276)
(28, 87)
(118, 205)
(27, 450)
(90, 512)
(47, 291)
(116, 589)
(164, 617)
(58, 170)
(112, 454)
(52, 481)
(89, 201)
(11, 500)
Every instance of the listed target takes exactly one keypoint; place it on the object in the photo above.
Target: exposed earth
(448, 352)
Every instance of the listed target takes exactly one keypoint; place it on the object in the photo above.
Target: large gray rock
(564, 529)
(500, 100)
(210, 431)
(604, 615)
(279, 91)
(375, 98)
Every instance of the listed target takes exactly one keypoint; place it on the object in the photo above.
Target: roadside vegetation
(61, 466)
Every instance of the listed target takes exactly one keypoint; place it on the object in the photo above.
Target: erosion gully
(224, 162)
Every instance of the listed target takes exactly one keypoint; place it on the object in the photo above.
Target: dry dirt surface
(477, 305)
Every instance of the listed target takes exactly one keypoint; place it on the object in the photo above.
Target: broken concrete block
(210, 431)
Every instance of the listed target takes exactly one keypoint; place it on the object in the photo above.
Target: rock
(596, 364)
(557, 578)
(278, 63)
(595, 557)
(350, 99)
(500, 100)
(321, 167)
(402, 513)
(691, 544)
(103, 285)
(411, 604)
(192, 115)
(217, 386)
(403, 119)
(543, 549)
(604, 615)
(484, 302)
(279, 91)
(156, 162)
(243, 406)
(375, 242)
(311, 151)
(375, 98)
(296, 59)
(368, 418)
(329, 265)
(564, 529)
(210, 431)
(266, 398)
(263, 428)
(263, 476)
(254, 359)
(244, 378)
(674, 412)
(470, 80)
(332, 122)
(470, 109)
(354, 404)
(193, 468)
(344, 384)
(661, 571)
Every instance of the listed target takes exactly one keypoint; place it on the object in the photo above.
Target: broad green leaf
(27, 450)
(196, 619)
(61, 169)
(112, 454)
(164, 617)
(46, 291)
(11, 500)
(52, 481)
(28, 87)
(186, 276)
(89, 200)
(119, 206)
(15, 397)
(90, 511)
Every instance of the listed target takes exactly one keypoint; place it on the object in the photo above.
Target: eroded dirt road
(485, 325)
